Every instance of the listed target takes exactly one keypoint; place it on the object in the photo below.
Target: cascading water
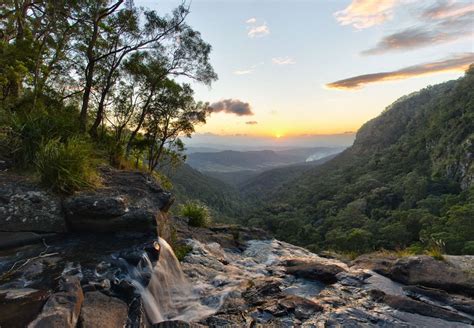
(168, 296)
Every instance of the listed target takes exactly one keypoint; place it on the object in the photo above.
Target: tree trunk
(89, 77)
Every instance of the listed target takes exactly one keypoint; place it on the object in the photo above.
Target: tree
(172, 114)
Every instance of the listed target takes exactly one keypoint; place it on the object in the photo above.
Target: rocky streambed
(275, 284)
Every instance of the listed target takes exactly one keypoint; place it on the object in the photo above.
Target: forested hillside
(406, 182)
(189, 184)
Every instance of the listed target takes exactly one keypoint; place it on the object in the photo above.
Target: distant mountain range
(235, 161)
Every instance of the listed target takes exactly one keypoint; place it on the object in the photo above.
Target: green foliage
(66, 166)
(24, 130)
(181, 251)
(406, 181)
(197, 213)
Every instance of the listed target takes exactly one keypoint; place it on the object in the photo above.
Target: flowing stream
(197, 287)
(210, 278)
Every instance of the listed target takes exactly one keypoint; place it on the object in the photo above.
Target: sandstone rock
(256, 294)
(460, 303)
(128, 201)
(313, 271)
(20, 306)
(424, 270)
(95, 207)
(25, 207)
(61, 309)
(412, 306)
(101, 311)
(375, 262)
(301, 307)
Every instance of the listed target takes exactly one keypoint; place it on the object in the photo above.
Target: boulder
(61, 309)
(453, 274)
(102, 311)
(325, 273)
(25, 207)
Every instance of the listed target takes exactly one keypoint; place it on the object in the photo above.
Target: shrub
(66, 167)
(197, 213)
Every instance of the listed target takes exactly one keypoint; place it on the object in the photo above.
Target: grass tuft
(66, 167)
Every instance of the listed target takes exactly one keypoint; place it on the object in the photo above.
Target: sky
(300, 68)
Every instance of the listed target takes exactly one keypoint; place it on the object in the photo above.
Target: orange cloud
(366, 13)
(458, 62)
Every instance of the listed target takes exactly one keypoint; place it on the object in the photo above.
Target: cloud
(251, 122)
(252, 20)
(283, 61)
(258, 31)
(243, 72)
(457, 62)
(444, 24)
(366, 13)
(445, 9)
(249, 70)
(419, 37)
(231, 106)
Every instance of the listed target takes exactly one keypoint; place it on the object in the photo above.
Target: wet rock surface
(250, 285)
(31, 277)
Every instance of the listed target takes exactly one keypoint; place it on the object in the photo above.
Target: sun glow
(278, 135)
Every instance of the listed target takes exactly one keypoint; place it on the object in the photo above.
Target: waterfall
(169, 296)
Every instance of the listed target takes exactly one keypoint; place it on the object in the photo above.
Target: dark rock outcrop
(128, 201)
(26, 207)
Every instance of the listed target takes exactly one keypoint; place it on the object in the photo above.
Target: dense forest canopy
(408, 181)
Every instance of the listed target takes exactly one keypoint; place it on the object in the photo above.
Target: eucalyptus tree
(114, 31)
(173, 113)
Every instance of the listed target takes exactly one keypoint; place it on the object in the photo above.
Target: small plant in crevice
(436, 249)
(197, 213)
(181, 251)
